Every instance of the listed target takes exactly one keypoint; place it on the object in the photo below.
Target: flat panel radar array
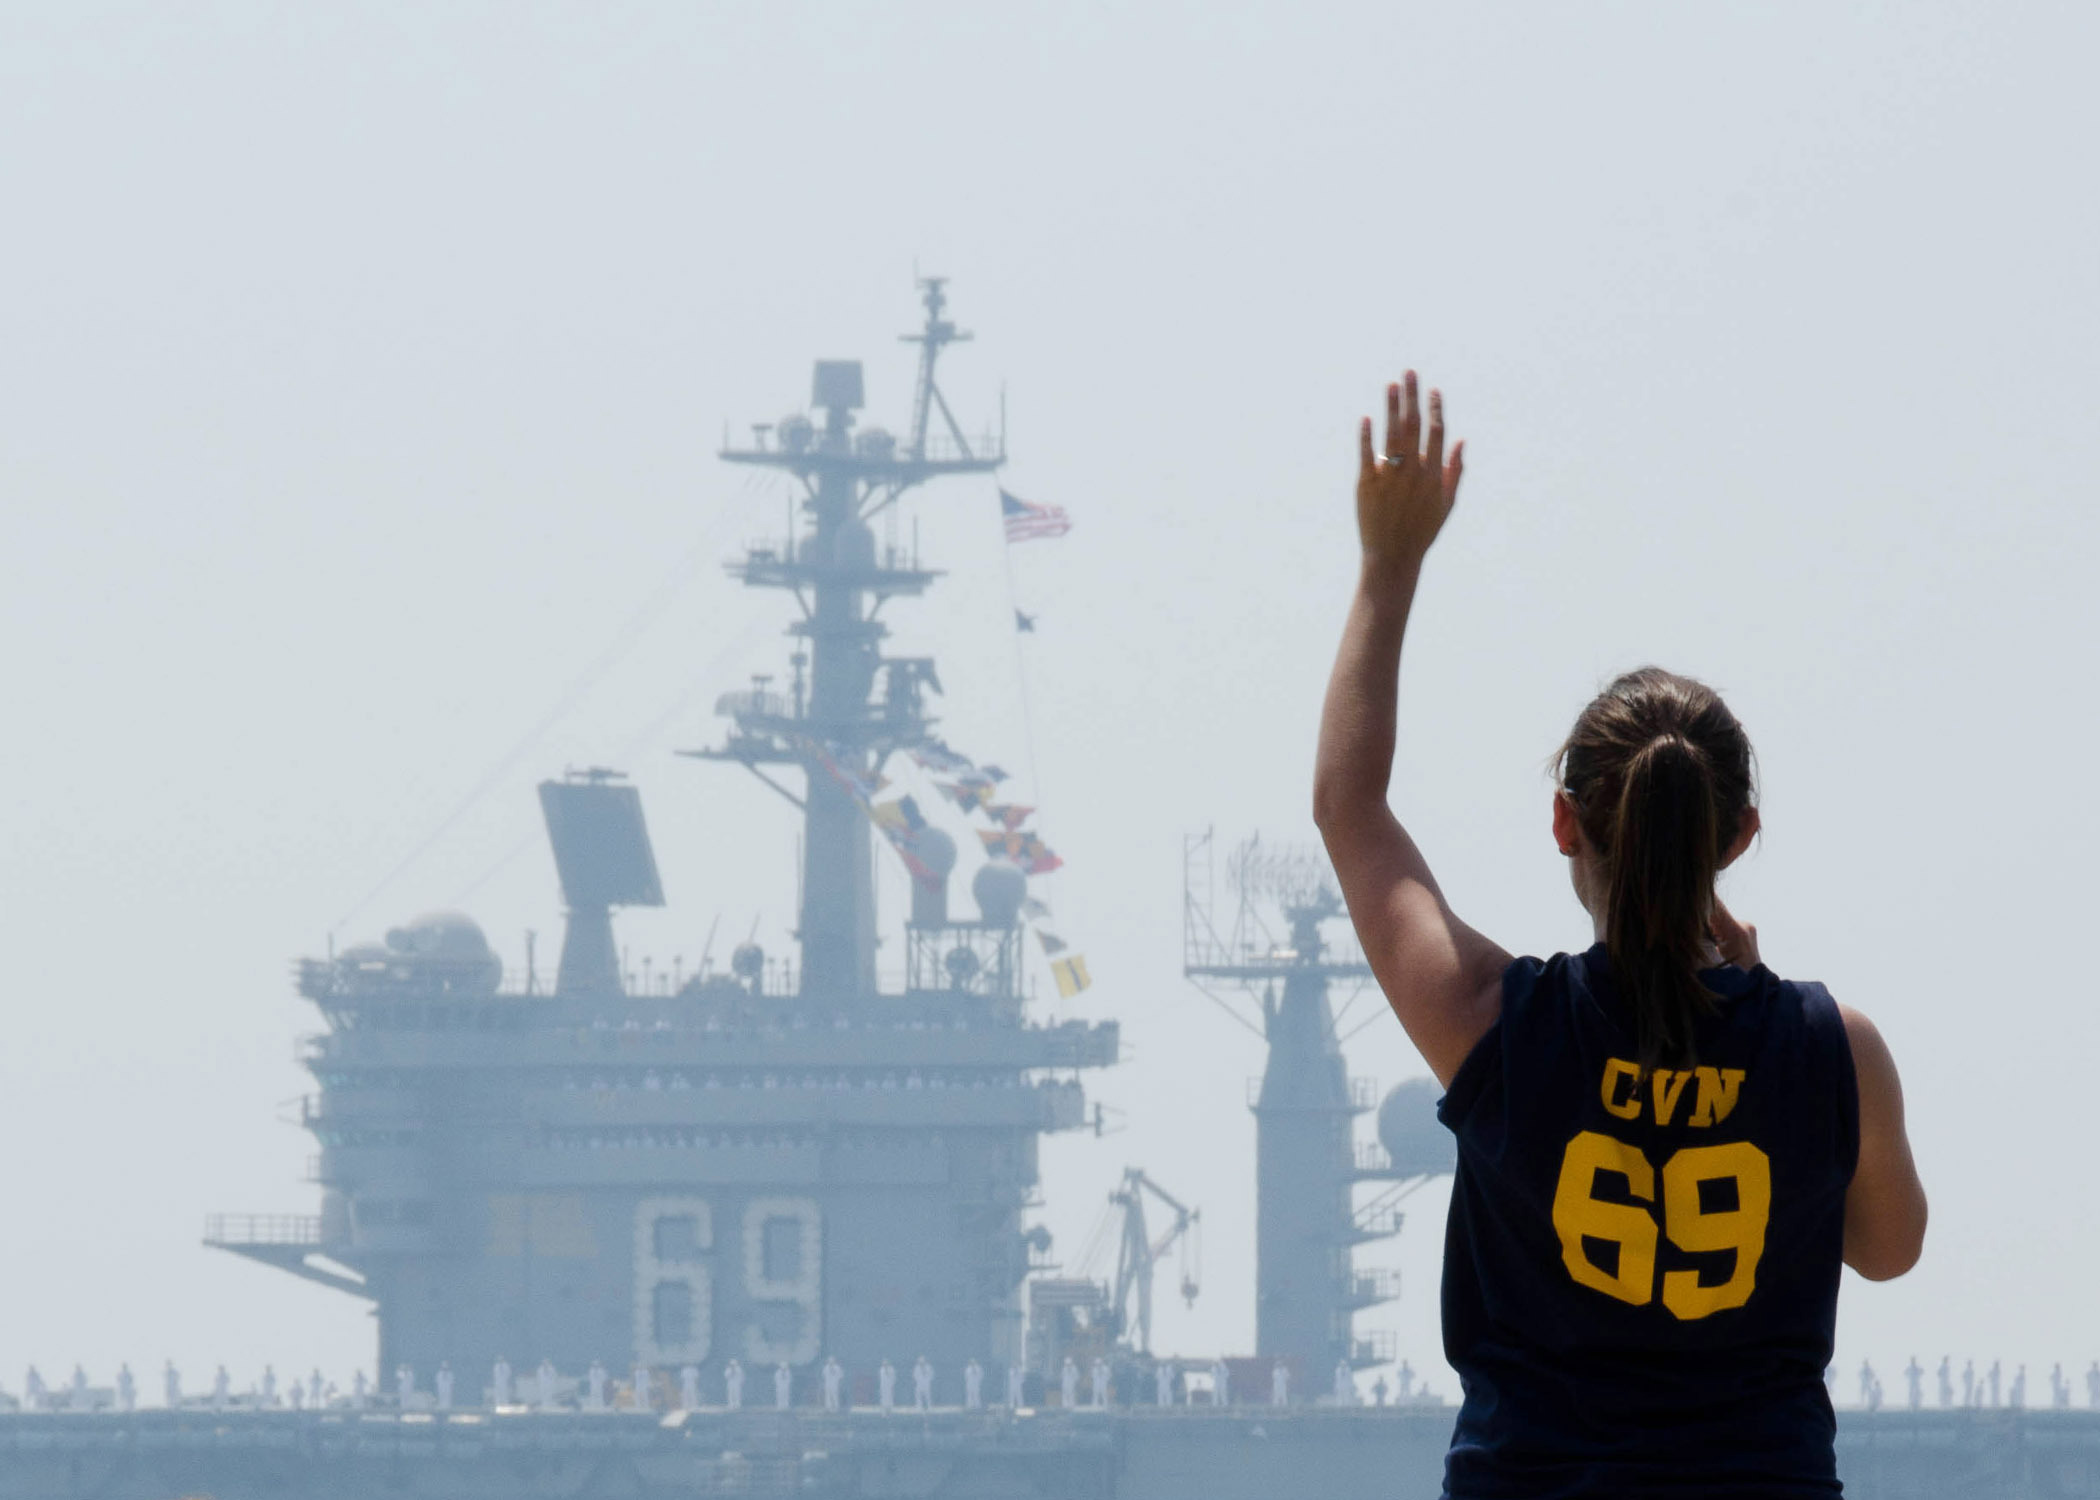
(602, 853)
(601, 844)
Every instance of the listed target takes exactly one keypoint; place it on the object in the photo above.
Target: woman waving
(1665, 1151)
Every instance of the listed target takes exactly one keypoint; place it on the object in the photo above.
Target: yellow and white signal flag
(1070, 974)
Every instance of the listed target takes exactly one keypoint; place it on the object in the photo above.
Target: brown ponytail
(1660, 775)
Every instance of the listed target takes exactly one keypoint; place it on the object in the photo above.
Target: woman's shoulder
(1587, 971)
(1796, 1018)
(1808, 999)
(1533, 989)
(1583, 967)
(1550, 989)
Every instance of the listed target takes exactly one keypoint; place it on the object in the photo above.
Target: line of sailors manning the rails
(653, 1081)
(546, 1389)
(1978, 1392)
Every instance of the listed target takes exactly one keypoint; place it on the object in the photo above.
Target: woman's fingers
(1736, 940)
(1404, 494)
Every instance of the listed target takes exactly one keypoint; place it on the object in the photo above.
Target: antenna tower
(1276, 952)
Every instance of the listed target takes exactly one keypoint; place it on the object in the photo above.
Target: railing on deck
(1379, 1347)
(1379, 1221)
(262, 1229)
(1368, 1287)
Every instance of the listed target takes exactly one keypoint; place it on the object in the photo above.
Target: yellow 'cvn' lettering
(1718, 1088)
(1714, 1093)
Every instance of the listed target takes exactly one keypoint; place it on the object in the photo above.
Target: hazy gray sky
(361, 370)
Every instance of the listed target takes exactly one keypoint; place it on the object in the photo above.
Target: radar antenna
(937, 334)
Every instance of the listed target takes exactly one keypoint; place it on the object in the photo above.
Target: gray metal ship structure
(777, 1164)
(766, 1231)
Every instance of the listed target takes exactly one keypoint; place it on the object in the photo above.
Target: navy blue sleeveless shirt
(1641, 1277)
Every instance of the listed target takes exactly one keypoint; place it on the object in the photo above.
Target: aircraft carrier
(766, 1231)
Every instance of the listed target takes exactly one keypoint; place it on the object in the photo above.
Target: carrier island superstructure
(775, 1164)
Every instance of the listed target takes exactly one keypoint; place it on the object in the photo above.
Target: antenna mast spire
(937, 333)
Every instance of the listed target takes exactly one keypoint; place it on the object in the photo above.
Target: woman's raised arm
(1443, 979)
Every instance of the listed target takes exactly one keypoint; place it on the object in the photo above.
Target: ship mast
(835, 726)
(1306, 1222)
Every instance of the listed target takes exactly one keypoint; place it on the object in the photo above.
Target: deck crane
(1139, 1253)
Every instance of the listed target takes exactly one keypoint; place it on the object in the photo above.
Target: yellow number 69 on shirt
(1578, 1214)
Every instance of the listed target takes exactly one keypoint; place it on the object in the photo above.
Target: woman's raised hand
(1403, 496)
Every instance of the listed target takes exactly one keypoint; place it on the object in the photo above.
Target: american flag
(1027, 523)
